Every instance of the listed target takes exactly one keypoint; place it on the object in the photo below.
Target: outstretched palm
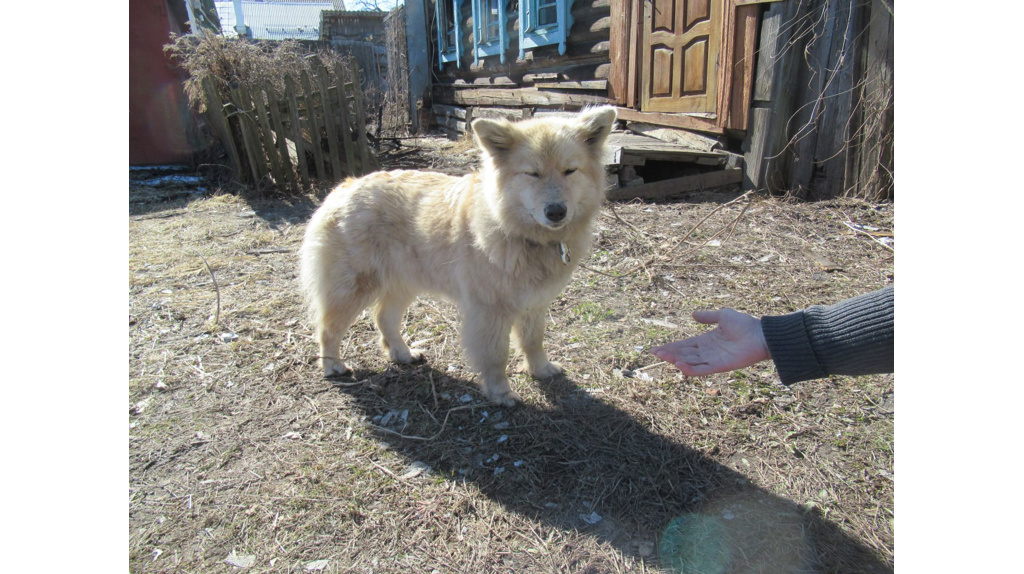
(736, 342)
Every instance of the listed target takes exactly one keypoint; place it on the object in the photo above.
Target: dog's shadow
(576, 462)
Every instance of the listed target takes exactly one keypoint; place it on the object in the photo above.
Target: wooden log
(596, 85)
(297, 137)
(449, 111)
(679, 185)
(520, 97)
(314, 126)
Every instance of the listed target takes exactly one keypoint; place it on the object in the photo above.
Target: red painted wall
(157, 108)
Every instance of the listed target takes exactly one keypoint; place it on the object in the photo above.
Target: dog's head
(547, 172)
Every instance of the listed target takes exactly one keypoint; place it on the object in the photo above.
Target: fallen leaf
(316, 565)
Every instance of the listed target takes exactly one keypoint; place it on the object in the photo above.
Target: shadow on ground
(574, 461)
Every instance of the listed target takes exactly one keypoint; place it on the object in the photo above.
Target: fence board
(346, 131)
(215, 107)
(300, 151)
(365, 159)
(332, 136)
(268, 138)
(314, 127)
(277, 121)
(251, 120)
(243, 114)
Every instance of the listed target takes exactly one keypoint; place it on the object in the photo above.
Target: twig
(216, 318)
(872, 237)
(425, 439)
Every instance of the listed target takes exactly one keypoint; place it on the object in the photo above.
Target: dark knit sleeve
(854, 337)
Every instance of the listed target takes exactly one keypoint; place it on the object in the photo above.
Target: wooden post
(300, 151)
(314, 127)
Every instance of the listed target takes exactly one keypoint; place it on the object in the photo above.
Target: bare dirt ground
(243, 458)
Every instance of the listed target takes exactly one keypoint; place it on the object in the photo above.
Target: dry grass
(238, 445)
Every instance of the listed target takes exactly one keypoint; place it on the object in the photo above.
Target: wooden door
(679, 53)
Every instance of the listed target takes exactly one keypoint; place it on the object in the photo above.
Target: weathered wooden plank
(520, 97)
(319, 171)
(618, 37)
(341, 114)
(874, 165)
(367, 160)
(268, 136)
(500, 113)
(215, 111)
(597, 85)
(277, 122)
(249, 141)
(262, 162)
(328, 121)
(676, 136)
(679, 185)
(690, 122)
(743, 66)
(634, 65)
(297, 137)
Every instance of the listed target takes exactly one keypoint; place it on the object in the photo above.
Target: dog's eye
(569, 172)
(532, 174)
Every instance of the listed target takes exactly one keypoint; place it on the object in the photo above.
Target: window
(490, 29)
(543, 22)
(449, 36)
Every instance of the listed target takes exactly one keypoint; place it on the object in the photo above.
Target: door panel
(680, 48)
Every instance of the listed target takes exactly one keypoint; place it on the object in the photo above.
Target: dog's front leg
(529, 333)
(486, 339)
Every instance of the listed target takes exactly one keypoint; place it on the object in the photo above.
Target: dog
(501, 243)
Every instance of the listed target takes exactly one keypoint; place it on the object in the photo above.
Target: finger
(677, 346)
(700, 370)
(707, 317)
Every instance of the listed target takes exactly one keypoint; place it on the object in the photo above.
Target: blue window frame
(490, 29)
(449, 32)
(542, 23)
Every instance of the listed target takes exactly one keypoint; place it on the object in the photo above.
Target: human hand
(736, 342)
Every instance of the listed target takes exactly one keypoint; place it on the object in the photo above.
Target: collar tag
(564, 253)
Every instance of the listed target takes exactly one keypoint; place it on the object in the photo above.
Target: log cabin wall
(542, 80)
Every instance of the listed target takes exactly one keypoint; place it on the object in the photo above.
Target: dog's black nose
(555, 212)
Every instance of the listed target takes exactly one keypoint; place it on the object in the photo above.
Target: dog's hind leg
(391, 308)
(337, 316)
(486, 339)
(528, 330)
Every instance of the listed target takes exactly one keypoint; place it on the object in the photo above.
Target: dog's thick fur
(491, 241)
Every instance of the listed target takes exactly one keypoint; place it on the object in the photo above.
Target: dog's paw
(334, 367)
(551, 369)
(408, 356)
(507, 398)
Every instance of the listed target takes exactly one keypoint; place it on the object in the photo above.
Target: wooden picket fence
(314, 132)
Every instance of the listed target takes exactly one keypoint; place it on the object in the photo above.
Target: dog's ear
(496, 137)
(597, 124)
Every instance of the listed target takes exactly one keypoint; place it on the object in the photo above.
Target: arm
(854, 337)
